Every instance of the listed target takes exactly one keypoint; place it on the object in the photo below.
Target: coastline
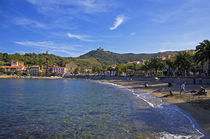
(28, 77)
(196, 106)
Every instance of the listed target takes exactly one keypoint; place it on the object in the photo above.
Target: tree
(110, 69)
(146, 67)
(203, 54)
(121, 68)
(184, 61)
(156, 64)
(170, 62)
(2, 70)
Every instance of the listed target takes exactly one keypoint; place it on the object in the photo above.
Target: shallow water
(74, 108)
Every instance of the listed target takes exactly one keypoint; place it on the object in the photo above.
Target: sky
(71, 28)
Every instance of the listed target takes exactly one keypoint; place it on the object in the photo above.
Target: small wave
(166, 108)
(166, 135)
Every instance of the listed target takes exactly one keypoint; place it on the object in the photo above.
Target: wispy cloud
(49, 45)
(28, 23)
(80, 37)
(184, 45)
(118, 21)
(44, 44)
(133, 33)
(72, 6)
(165, 50)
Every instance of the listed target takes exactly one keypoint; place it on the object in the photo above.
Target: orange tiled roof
(58, 67)
(12, 66)
(34, 66)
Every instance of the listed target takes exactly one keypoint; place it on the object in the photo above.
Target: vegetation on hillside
(108, 58)
(42, 59)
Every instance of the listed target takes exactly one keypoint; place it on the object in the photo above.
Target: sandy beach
(197, 106)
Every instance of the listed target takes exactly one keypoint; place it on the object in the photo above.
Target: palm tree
(110, 69)
(171, 65)
(120, 69)
(203, 53)
(146, 67)
(184, 61)
(156, 64)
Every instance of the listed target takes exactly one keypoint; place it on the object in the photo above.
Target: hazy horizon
(71, 28)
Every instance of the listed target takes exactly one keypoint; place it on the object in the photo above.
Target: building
(57, 69)
(34, 69)
(137, 62)
(13, 68)
(100, 49)
(16, 63)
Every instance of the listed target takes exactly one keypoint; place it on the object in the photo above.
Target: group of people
(202, 90)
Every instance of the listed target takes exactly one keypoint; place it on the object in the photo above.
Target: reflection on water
(63, 108)
(73, 108)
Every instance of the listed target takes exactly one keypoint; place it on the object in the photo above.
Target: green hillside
(108, 58)
(42, 59)
(92, 58)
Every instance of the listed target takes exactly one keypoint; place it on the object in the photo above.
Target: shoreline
(29, 77)
(197, 107)
(194, 106)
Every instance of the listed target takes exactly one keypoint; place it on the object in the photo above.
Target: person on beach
(200, 81)
(202, 91)
(182, 88)
(146, 85)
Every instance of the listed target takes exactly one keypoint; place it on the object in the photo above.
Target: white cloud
(165, 50)
(48, 45)
(174, 45)
(72, 6)
(80, 37)
(118, 21)
(29, 23)
(45, 44)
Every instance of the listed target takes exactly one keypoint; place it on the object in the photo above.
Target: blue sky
(74, 27)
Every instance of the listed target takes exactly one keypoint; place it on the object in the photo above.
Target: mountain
(108, 58)
(93, 58)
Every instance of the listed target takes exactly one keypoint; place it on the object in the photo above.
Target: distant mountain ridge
(108, 58)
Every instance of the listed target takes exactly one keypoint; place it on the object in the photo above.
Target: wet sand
(197, 106)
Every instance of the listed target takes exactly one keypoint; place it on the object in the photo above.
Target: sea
(62, 108)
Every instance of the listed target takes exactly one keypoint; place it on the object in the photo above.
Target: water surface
(75, 108)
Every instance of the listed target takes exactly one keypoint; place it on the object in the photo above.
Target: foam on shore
(166, 109)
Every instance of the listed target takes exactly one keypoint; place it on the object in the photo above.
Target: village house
(137, 62)
(34, 69)
(57, 69)
(16, 63)
(14, 66)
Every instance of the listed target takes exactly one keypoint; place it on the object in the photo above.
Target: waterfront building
(57, 69)
(16, 63)
(13, 68)
(137, 62)
(34, 69)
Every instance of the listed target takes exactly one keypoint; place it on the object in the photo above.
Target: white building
(34, 69)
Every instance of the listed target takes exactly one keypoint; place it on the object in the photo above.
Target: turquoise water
(86, 109)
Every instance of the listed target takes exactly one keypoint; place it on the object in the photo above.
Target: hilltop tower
(100, 49)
